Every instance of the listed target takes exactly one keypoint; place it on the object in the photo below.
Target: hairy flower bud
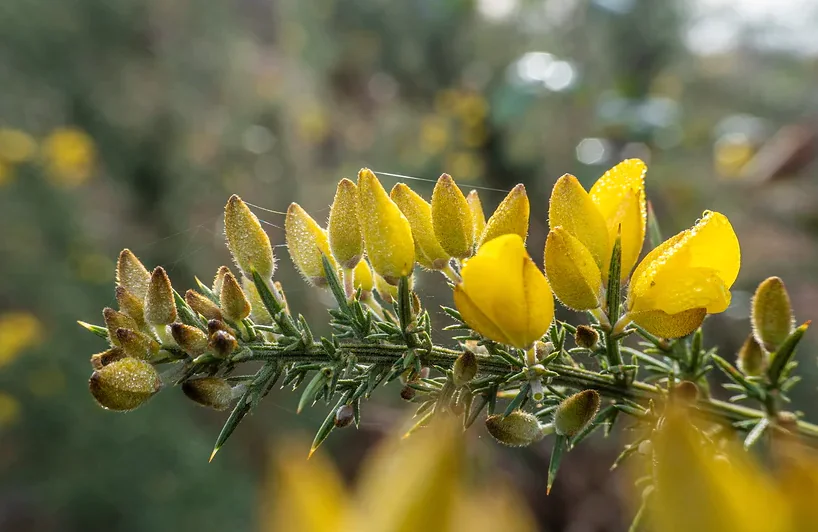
(247, 241)
(203, 305)
(307, 242)
(131, 305)
(160, 307)
(452, 218)
(117, 320)
(575, 412)
(586, 337)
(477, 217)
(344, 416)
(542, 350)
(211, 392)
(752, 360)
(464, 368)
(213, 326)
(771, 314)
(136, 344)
(407, 393)
(233, 302)
(106, 357)
(428, 251)
(132, 274)
(518, 429)
(191, 339)
(223, 343)
(218, 280)
(258, 311)
(511, 216)
(343, 229)
(124, 384)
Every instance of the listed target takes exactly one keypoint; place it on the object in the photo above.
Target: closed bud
(407, 393)
(771, 314)
(307, 242)
(518, 429)
(452, 218)
(136, 344)
(160, 307)
(233, 302)
(124, 384)
(511, 216)
(247, 241)
(278, 286)
(191, 339)
(575, 412)
(132, 274)
(211, 392)
(117, 320)
(258, 311)
(387, 291)
(344, 416)
(203, 305)
(586, 337)
(363, 277)
(343, 229)
(131, 305)
(752, 360)
(214, 326)
(686, 392)
(428, 251)
(477, 217)
(572, 271)
(223, 343)
(218, 280)
(542, 350)
(387, 233)
(106, 357)
(464, 368)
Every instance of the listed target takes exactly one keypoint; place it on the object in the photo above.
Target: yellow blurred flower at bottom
(503, 295)
(69, 156)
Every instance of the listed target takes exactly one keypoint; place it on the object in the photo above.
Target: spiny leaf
(560, 446)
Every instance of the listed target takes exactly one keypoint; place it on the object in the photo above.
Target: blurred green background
(129, 124)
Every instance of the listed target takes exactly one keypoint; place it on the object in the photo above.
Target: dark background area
(129, 124)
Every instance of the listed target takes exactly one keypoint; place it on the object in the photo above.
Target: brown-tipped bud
(124, 384)
(132, 274)
(258, 311)
(191, 339)
(211, 392)
(511, 216)
(131, 305)
(517, 429)
(407, 393)
(477, 217)
(106, 357)
(771, 314)
(203, 305)
(160, 307)
(214, 326)
(575, 412)
(452, 218)
(686, 392)
(283, 296)
(586, 337)
(223, 343)
(307, 243)
(117, 320)
(343, 229)
(136, 344)
(234, 304)
(464, 368)
(344, 416)
(752, 360)
(247, 241)
(218, 280)
(542, 350)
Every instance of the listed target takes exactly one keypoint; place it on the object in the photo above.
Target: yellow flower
(16, 146)
(307, 242)
(503, 295)
(452, 219)
(428, 251)
(363, 277)
(69, 155)
(584, 227)
(511, 216)
(18, 332)
(687, 276)
(477, 216)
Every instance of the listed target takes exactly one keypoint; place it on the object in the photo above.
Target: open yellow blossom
(685, 278)
(503, 295)
(584, 227)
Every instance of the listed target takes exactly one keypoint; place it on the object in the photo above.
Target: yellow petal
(665, 325)
(363, 277)
(572, 209)
(387, 233)
(452, 218)
(428, 251)
(248, 243)
(512, 296)
(307, 242)
(477, 216)
(572, 272)
(343, 229)
(511, 216)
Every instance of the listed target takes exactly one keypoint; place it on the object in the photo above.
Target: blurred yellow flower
(9, 409)
(16, 146)
(687, 276)
(69, 155)
(503, 295)
(434, 134)
(18, 332)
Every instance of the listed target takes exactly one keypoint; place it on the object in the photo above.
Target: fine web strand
(401, 176)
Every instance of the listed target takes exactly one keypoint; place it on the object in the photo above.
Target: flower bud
(343, 229)
(344, 416)
(233, 302)
(131, 305)
(518, 429)
(586, 337)
(160, 307)
(278, 286)
(115, 320)
(132, 274)
(247, 241)
(213, 326)
(572, 271)
(387, 233)
(387, 292)
(575, 412)
(772, 315)
(203, 305)
(211, 392)
(258, 311)
(106, 357)
(542, 350)
(452, 218)
(477, 217)
(136, 344)
(464, 368)
(124, 384)
(511, 216)
(191, 339)
(307, 242)
(223, 343)
(752, 361)
(407, 393)
(363, 277)
(218, 280)
(428, 251)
